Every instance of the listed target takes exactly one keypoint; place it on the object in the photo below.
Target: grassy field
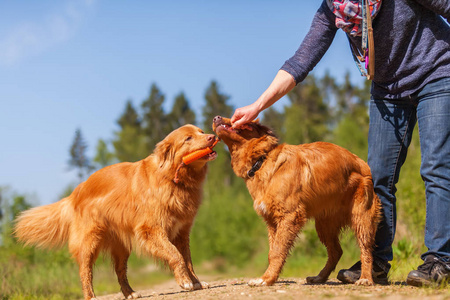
(28, 273)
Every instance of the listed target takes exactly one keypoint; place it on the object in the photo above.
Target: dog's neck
(247, 163)
(191, 175)
(188, 175)
(256, 166)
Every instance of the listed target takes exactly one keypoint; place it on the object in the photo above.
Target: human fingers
(237, 115)
(239, 123)
(243, 115)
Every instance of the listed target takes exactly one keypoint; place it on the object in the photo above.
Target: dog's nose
(217, 119)
(211, 138)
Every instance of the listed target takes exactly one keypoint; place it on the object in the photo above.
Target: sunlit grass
(38, 274)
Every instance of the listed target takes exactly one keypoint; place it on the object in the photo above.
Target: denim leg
(433, 114)
(390, 131)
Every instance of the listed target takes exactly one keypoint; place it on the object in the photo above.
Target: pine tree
(78, 158)
(352, 124)
(306, 119)
(216, 104)
(19, 204)
(2, 202)
(154, 120)
(129, 142)
(130, 117)
(103, 157)
(11, 204)
(181, 113)
(220, 173)
(274, 120)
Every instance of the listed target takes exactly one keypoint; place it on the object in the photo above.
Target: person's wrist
(258, 107)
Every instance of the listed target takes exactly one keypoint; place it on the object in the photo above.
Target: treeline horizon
(314, 112)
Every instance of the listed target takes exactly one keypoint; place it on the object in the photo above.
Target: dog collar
(256, 167)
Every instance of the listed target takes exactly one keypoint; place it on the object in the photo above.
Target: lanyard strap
(368, 51)
(370, 60)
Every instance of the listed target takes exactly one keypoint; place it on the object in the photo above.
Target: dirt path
(289, 288)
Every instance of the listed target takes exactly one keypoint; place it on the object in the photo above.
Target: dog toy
(193, 156)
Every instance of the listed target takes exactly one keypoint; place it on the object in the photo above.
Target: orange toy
(193, 156)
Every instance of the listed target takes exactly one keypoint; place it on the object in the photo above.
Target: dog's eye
(188, 138)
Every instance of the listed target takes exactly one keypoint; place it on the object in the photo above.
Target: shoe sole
(417, 282)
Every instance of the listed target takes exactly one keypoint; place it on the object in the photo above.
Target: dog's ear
(264, 130)
(271, 133)
(262, 145)
(269, 140)
(165, 152)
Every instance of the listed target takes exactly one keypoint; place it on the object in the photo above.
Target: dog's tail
(45, 226)
(372, 201)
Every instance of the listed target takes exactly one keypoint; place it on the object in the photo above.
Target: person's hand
(280, 86)
(244, 115)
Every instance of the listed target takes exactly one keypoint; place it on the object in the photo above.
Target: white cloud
(31, 38)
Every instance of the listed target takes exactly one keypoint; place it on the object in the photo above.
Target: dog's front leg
(182, 244)
(271, 232)
(155, 241)
(281, 239)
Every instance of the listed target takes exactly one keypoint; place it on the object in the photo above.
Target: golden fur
(294, 183)
(125, 205)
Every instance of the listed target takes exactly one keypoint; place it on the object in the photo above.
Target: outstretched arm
(295, 69)
(280, 86)
(441, 7)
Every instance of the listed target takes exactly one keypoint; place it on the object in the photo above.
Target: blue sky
(72, 64)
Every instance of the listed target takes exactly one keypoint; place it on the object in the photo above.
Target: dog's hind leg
(364, 222)
(120, 256)
(365, 244)
(283, 239)
(86, 252)
(329, 236)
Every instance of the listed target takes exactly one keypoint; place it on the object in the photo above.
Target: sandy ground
(290, 288)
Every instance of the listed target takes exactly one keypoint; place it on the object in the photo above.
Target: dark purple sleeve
(315, 44)
(441, 7)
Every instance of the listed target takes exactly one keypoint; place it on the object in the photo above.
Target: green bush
(227, 227)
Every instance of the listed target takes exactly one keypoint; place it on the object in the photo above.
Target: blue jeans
(390, 132)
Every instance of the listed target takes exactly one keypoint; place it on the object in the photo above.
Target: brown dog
(290, 184)
(129, 204)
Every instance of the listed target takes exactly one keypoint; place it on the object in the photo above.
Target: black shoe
(434, 270)
(352, 275)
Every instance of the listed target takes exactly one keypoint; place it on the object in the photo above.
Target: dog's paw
(315, 280)
(257, 282)
(187, 286)
(134, 295)
(364, 281)
(201, 285)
